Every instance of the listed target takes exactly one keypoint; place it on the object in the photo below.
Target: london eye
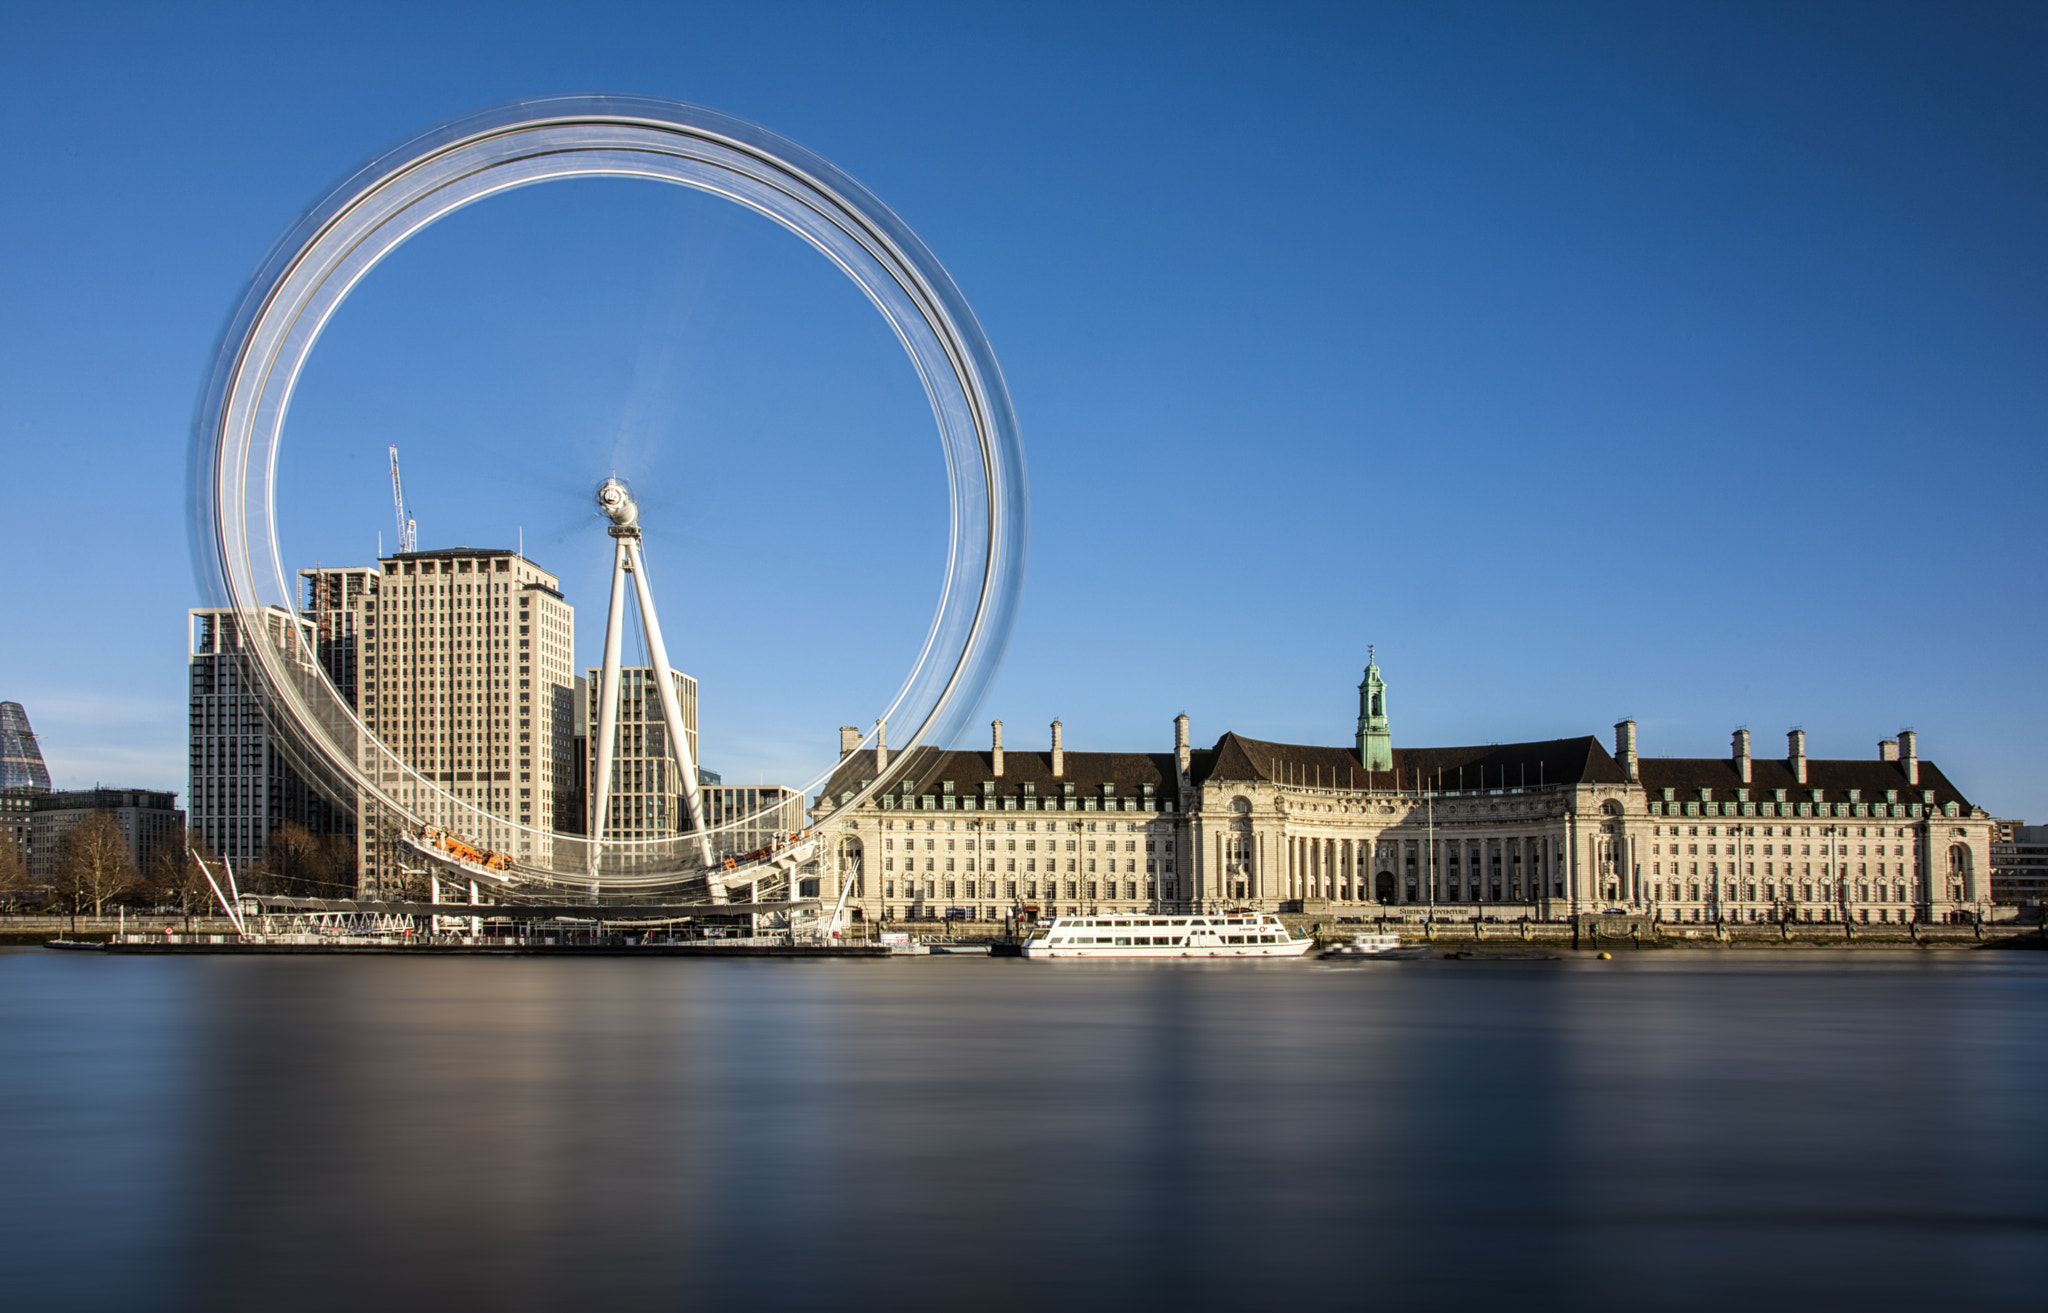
(238, 441)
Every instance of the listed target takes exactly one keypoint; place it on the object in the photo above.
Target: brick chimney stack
(1625, 750)
(997, 726)
(1909, 755)
(1887, 749)
(881, 747)
(1059, 753)
(1181, 752)
(849, 741)
(1742, 754)
(1795, 748)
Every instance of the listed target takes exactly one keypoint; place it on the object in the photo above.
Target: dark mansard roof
(1583, 760)
(926, 770)
(1686, 776)
(1235, 757)
(1481, 766)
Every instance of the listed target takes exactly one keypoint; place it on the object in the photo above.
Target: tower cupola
(1375, 740)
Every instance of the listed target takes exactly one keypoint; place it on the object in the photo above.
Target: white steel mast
(619, 507)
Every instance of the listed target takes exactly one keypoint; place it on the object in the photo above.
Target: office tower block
(465, 672)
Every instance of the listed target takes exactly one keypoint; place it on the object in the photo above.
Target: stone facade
(146, 818)
(983, 836)
(1543, 830)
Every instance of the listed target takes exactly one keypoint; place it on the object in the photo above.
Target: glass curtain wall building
(239, 786)
(21, 760)
(646, 796)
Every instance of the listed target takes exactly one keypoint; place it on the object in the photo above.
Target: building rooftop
(449, 553)
(1686, 776)
(1479, 766)
(926, 770)
(1572, 761)
(106, 799)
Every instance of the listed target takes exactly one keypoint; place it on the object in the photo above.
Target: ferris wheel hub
(617, 503)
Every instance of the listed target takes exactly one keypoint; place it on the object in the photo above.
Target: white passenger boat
(1223, 934)
(1377, 945)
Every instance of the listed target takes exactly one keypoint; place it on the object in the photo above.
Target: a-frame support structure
(619, 507)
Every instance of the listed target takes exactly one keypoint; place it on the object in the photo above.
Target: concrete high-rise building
(646, 795)
(465, 668)
(240, 785)
(457, 660)
(331, 600)
(21, 760)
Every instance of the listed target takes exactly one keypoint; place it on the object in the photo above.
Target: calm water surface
(1669, 1130)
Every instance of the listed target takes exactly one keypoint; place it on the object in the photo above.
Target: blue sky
(1677, 362)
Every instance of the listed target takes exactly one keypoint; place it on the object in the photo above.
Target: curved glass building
(21, 761)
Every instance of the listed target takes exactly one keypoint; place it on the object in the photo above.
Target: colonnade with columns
(1403, 867)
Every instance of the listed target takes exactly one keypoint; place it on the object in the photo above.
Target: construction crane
(408, 530)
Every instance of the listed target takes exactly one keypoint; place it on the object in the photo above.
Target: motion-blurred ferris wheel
(308, 275)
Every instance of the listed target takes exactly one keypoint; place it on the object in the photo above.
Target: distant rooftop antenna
(408, 529)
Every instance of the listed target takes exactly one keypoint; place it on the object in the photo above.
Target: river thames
(1675, 1129)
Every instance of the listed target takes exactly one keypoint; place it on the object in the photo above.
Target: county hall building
(1542, 830)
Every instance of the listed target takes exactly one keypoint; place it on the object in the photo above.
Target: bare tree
(15, 884)
(175, 878)
(293, 858)
(308, 865)
(94, 865)
(338, 860)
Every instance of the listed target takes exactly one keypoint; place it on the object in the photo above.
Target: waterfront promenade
(1590, 934)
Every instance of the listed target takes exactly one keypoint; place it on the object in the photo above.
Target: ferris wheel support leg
(608, 708)
(671, 708)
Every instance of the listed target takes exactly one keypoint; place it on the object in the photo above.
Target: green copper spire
(1375, 740)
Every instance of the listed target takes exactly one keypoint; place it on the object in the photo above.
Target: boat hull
(1230, 950)
(1405, 953)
